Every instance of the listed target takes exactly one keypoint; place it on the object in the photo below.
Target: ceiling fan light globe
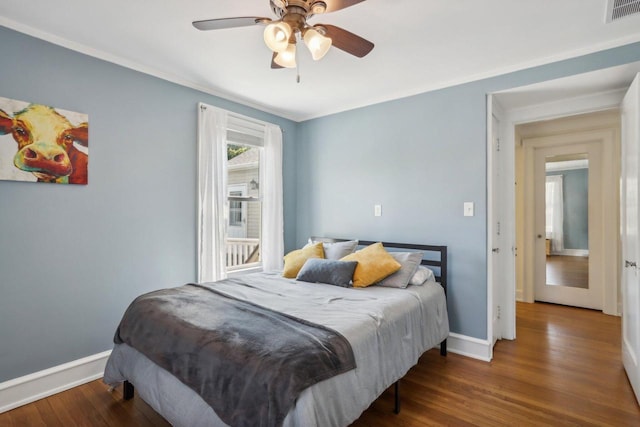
(317, 44)
(287, 58)
(276, 36)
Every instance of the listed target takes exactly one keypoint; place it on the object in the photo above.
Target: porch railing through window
(242, 251)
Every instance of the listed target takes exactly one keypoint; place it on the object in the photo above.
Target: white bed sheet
(388, 329)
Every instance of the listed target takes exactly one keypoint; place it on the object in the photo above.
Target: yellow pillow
(294, 260)
(374, 264)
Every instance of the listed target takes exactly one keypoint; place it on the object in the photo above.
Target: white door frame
(509, 119)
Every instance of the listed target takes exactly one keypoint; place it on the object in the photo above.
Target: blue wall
(575, 200)
(420, 157)
(73, 257)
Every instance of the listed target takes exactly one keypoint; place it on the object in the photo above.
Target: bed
(387, 328)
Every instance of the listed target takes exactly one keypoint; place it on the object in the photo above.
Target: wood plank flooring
(564, 369)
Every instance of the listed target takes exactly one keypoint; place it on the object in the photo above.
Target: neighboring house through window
(245, 206)
(240, 194)
(237, 211)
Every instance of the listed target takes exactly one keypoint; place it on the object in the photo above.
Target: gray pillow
(317, 270)
(409, 262)
(338, 250)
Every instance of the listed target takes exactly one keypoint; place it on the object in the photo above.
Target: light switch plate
(468, 208)
(377, 210)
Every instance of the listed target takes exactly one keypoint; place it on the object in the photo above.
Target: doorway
(573, 96)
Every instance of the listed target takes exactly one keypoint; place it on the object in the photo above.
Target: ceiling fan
(282, 34)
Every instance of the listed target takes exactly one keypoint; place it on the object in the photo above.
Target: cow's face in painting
(45, 141)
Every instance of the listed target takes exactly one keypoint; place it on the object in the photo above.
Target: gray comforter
(247, 362)
(387, 328)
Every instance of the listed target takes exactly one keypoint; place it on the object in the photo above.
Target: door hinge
(499, 310)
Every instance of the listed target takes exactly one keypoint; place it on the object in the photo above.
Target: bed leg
(396, 410)
(127, 390)
(443, 348)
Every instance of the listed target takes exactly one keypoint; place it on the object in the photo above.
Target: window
(236, 218)
(240, 211)
(245, 207)
(554, 212)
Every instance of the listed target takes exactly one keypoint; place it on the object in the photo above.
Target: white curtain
(272, 204)
(212, 193)
(554, 212)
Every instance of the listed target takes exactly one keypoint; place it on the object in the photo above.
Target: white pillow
(422, 274)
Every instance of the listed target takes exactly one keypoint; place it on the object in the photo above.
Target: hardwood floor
(564, 369)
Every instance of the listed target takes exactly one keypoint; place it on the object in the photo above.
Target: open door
(500, 228)
(575, 160)
(630, 223)
(496, 237)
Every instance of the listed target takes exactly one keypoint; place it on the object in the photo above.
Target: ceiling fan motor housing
(307, 8)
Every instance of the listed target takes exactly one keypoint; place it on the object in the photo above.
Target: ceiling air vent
(618, 9)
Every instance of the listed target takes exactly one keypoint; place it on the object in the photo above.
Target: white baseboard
(469, 346)
(519, 294)
(36, 386)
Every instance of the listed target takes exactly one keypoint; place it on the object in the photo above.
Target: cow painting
(46, 144)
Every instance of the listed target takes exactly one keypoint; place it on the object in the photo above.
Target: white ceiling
(608, 80)
(420, 45)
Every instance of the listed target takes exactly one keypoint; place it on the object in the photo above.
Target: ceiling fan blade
(347, 41)
(333, 5)
(219, 24)
(273, 62)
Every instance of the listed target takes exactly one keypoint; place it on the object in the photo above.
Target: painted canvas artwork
(40, 143)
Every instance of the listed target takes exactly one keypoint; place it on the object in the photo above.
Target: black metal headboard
(434, 255)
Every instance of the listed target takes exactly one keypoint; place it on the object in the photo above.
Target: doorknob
(628, 263)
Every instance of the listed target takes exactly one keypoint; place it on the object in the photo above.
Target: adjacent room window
(240, 210)
(554, 212)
